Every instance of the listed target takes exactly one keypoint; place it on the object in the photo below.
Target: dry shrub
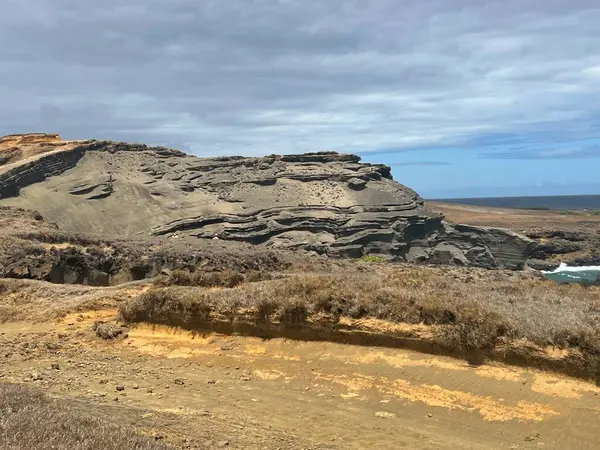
(153, 306)
(107, 331)
(293, 314)
(30, 420)
(473, 329)
(167, 305)
(254, 276)
(227, 278)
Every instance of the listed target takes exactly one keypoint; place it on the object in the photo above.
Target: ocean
(561, 202)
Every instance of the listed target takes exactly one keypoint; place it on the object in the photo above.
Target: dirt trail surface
(212, 391)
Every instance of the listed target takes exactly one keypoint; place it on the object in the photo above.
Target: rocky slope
(325, 202)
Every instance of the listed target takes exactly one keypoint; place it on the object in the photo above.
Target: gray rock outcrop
(324, 202)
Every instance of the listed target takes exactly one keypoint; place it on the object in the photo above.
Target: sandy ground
(216, 391)
(517, 219)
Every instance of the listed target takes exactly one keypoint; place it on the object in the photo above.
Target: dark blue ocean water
(563, 202)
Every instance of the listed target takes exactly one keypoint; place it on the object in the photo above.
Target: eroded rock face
(325, 202)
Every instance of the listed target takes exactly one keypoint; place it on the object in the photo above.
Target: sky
(463, 98)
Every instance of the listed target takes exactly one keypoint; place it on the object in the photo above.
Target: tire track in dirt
(290, 394)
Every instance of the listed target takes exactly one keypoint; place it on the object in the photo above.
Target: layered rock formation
(325, 202)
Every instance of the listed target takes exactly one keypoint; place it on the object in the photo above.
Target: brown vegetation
(466, 310)
(32, 300)
(227, 278)
(30, 420)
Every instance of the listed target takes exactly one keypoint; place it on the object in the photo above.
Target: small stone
(36, 376)
(149, 391)
(55, 366)
(103, 382)
(179, 381)
(224, 444)
(120, 388)
(212, 382)
(135, 386)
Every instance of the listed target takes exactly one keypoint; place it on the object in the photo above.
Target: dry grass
(468, 309)
(227, 278)
(32, 300)
(30, 420)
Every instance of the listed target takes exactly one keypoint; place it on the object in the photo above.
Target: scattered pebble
(120, 388)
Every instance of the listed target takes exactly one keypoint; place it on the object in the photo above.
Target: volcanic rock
(326, 202)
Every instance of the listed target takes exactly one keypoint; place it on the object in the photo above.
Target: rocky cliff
(324, 202)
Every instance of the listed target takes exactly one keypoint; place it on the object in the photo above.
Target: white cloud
(259, 76)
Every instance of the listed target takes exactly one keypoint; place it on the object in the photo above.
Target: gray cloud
(259, 76)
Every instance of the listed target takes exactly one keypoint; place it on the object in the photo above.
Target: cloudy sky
(461, 97)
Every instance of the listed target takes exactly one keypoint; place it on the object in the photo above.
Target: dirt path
(220, 391)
